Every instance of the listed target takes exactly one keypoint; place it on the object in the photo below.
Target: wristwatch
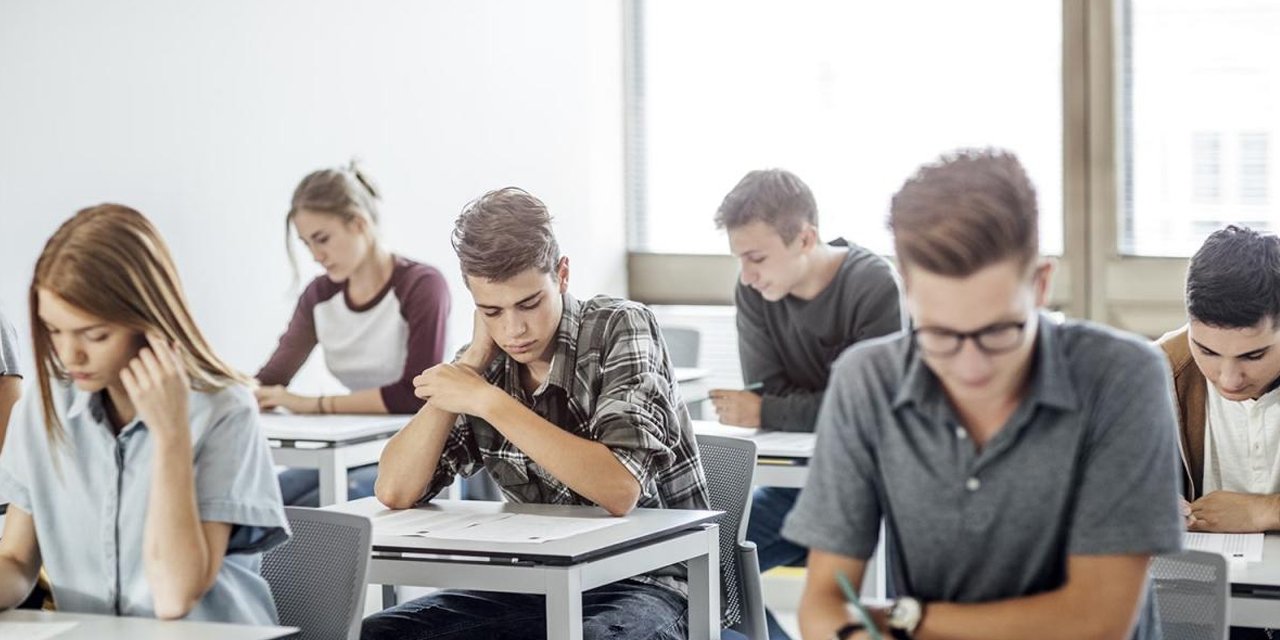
(847, 631)
(904, 617)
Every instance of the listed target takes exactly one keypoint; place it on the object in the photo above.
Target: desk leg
(333, 478)
(704, 589)
(564, 604)
(389, 597)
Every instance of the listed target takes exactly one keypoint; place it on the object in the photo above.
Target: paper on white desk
(1246, 547)
(491, 527)
(34, 630)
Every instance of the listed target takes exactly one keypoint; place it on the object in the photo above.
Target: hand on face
(455, 388)
(482, 350)
(738, 408)
(157, 385)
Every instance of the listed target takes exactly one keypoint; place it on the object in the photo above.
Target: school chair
(683, 344)
(1191, 590)
(318, 577)
(730, 467)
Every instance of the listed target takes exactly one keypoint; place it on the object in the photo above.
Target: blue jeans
(769, 508)
(626, 610)
(301, 487)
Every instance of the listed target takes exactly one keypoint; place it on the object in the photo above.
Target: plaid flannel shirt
(611, 380)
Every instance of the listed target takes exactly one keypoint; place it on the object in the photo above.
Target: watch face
(905, 614)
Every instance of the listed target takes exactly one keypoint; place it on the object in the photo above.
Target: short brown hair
(970, 209)
(775, 197)
(504, 232)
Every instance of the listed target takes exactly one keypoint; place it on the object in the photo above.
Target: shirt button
(960, 433)
(973, 484)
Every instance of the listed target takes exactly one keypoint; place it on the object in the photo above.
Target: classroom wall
(205, 115)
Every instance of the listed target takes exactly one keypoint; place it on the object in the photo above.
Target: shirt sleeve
(1128, 490)
(296, 344)
(635, 415)
(839, 510)
(8, 349)
(460, 457)
(20, 450)
(424, 304)
(236, 483)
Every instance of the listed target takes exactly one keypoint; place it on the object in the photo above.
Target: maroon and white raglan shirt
(381, 344)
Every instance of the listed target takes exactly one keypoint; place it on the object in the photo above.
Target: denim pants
(301, 487)
(626, 610)
(769, 509)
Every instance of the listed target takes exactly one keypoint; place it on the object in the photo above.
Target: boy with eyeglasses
(1025, 469)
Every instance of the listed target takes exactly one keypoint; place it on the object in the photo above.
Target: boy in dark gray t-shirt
(1026, 469)
(800, 304)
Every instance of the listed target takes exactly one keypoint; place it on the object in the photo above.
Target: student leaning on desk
(137, 474)
(1025, 469)
(378, 317)
(1226, 368)
(564, 402)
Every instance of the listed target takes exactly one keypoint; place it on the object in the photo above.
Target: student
(1025, 469)
(800, 303)
(10, 374)
(380, 318)
(137, 474)
(564, 402)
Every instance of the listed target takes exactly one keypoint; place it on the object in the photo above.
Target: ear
(1042, 279)
(808, 237)
(562, 273)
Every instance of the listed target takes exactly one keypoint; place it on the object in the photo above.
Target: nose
(69, 351)
(971, 363)
(1231, 375)
(748, 276)
(516, 325)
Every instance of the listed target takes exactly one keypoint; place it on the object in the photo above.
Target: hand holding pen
(738, 408)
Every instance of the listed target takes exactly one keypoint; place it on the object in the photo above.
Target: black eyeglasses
(993, 339)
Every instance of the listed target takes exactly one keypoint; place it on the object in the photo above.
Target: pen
(864, 616)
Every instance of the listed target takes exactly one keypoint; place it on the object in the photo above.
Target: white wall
(205, 115)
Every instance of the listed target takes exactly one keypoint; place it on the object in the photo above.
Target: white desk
(691, 374)
(95, 627)
(1255, 588)
(782, 457)
(645, 540)
(331, 443)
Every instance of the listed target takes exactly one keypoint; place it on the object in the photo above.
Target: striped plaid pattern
(612, 381)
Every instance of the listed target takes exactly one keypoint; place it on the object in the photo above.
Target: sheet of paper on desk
(495, 527)
(34, 630)
(1246, 547)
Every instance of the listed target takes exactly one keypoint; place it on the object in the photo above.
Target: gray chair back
(730, 467)
(683, 344)
(1191, 590)
(318, 576)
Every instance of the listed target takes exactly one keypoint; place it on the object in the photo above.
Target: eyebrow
(100, 325)
(316, 234)
(1255, 352)
(518, 302)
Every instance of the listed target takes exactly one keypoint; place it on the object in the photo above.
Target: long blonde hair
(111, 262)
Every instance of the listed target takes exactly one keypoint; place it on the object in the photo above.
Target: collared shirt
(1086, 465)
(8, 351)
(87, 495)
(1242, 443)
(611, 381)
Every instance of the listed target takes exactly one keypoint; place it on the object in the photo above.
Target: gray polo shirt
(1087, 465)
(88, 497)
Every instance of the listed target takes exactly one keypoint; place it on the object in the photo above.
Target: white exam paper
(1246, 547)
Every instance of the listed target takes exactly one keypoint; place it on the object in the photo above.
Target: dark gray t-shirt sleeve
(8, 349)
(839, 509)
(1128, 496)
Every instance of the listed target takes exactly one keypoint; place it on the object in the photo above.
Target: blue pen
(863, 615)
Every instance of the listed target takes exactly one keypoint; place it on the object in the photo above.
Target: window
(1201, 101)
(851, 97)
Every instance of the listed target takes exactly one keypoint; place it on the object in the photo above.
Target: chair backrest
(1191, 590)
(318, 576)
(683, 344)
(730, 467)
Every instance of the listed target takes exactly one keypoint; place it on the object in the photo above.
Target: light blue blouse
(88, 498)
